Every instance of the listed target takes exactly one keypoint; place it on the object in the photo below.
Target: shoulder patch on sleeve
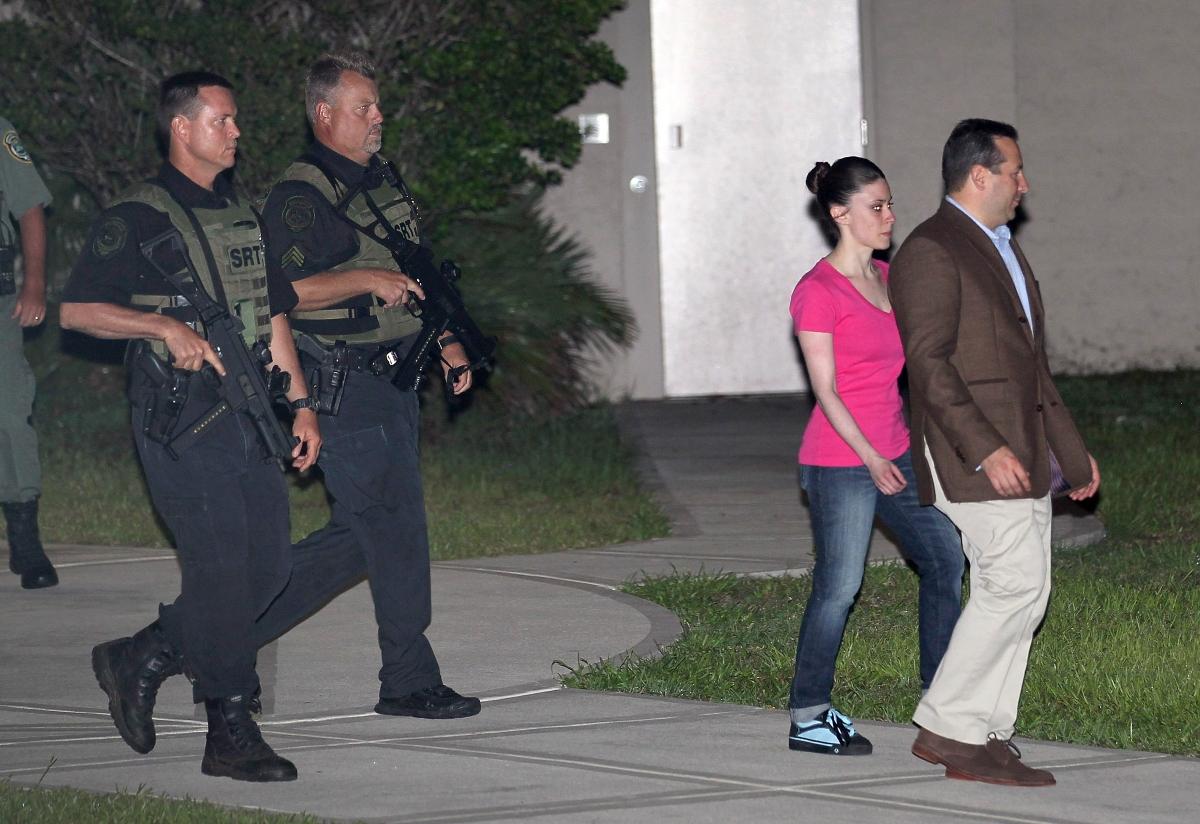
(299, 213)
(12, 142)
(110, 237)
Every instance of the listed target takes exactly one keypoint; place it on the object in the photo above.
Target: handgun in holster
(327, 380)
(161, 391)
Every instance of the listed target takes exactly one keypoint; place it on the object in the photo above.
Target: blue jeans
(844, 502)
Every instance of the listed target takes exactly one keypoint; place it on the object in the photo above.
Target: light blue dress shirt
(1002, 238)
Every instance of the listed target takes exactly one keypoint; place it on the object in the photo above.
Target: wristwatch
(303, 403)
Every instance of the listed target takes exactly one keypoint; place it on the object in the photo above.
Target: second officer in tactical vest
(225, 503)
(351, 291)
(350, 307)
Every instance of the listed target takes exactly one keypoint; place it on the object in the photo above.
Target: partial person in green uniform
(23, 198)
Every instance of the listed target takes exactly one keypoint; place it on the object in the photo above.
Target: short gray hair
(326, 73)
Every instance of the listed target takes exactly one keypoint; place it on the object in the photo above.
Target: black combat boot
(25, 554)
(235, 747)
(130, 671)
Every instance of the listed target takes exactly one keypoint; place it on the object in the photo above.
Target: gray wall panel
(1105, 95)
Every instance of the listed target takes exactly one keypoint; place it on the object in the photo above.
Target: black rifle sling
(209, 259)
(343, 201)
(205, 307)
(195, 293)
(250, 392)
(408, 375)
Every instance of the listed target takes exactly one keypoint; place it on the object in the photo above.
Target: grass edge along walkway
(66, 805)
(1115, 662)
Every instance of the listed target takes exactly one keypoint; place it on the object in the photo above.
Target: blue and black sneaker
(831, 733)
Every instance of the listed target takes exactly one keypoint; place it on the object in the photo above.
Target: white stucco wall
(761, 89)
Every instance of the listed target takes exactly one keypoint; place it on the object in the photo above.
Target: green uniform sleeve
(21, 186)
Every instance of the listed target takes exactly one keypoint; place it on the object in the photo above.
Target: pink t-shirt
(867, 357)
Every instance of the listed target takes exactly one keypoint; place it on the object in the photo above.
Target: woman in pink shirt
(854, 459)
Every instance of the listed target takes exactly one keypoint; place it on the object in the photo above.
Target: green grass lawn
(492, 485)
(1116, 661)
(24, 805)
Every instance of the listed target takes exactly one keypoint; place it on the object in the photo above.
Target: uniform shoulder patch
(299, 213)
(12, 142)
(110, 237)
(293, 257)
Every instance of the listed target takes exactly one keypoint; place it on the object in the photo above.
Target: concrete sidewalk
(504, 629)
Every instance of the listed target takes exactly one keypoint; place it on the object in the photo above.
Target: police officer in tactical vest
(22, 198)
(351, 307)
(225, 504)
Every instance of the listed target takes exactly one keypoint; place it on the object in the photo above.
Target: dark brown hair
(180, 94)
(834, 185)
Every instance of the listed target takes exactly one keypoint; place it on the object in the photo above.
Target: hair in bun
(817, 176)
(835, 185)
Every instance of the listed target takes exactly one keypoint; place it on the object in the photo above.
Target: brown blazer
(978, 378)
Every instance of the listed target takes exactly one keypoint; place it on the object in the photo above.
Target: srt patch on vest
(242, 257)
(110, 237)
(408, 229)
(298, 213)
(12, 142)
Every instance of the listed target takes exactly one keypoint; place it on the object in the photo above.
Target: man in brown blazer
(987, 428)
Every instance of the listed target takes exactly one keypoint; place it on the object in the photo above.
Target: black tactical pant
(370, 461)
(227, 509)
(372, 472)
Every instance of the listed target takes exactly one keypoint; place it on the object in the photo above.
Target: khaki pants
(978, 686)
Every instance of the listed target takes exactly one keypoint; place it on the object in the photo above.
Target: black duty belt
(356, 358)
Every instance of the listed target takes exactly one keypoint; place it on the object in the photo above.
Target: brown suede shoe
(937, 749)
(997, 762)
(1008, 758)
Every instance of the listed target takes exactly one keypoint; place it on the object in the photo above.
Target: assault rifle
(440, 310)
(246, 387)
